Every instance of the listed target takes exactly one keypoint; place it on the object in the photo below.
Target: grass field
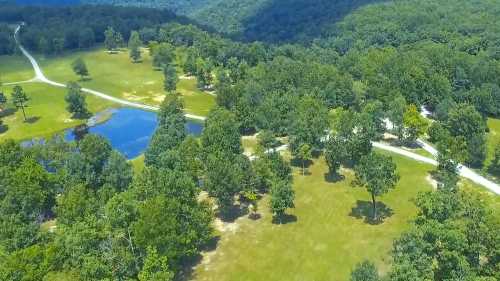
(493, 138)
(46, 111)
(329, 236)
(116, 75)
(15, 69)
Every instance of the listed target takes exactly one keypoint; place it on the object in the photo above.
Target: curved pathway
(40, 77)
(464, 171)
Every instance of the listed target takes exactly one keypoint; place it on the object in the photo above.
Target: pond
(129, 130)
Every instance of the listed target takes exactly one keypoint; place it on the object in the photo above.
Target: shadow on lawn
(7, 112)
(32, 120)
(284, 219)
(189, 264)
(364, 210)
(334, 177)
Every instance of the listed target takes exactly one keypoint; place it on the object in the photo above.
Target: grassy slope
(493, 138)
(116, 75)
(47, 105)
(15, 69)
(326, 241)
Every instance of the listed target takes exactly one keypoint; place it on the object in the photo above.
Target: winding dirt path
(40, 77)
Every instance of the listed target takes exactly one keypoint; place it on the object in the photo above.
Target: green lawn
(47, 110)
(493, 138)
(15, 69)
(116, 75)
(327, 239)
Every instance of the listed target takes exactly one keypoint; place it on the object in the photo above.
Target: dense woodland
(384, 60)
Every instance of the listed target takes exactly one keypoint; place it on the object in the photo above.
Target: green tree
(396, 115)
(221, 133)
(171, 79)
(134, 44)
(305, 155)
(118, 172)
(75, 99)
(365, 271)
(3, 101)
(494, 166)
(112, 39)
(282, 197)
(190, 62)
(155, 267)
(309, 125)
(171, 130)
(163, 55)
(377, 173)
(335, 154)
(414, 124)
(80, 68)
(20, 99)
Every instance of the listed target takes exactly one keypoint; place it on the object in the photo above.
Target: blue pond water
(130, 130)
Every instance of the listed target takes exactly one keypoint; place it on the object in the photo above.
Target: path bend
(40, 77)
(464, 171)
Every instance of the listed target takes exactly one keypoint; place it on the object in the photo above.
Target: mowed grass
(46, 112)
(116, 75)
(15, 69)
(330, 234)
(493, 138)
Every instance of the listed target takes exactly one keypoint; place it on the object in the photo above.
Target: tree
(80, 68)
(221, 133)
(282, 197)
(335, 154)
(365, 271)
(171, 130)
(112, 39)
(155, 267)
(118, 172)
(163, 55)
(304, 154)
(134, 45)
(171, 78)
(267, 140)
(20, 99)
(3, 101)
(414, 124)
(377, 173)
(309, 124)
(396, 115)
(494, 167)
(190, 63)
(77, 105)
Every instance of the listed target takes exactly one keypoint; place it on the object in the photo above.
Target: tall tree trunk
(303, 167)
(24, 113)
(374, 207)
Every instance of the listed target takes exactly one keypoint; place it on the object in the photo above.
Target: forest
(360, 66)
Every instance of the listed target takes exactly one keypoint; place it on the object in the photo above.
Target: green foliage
(282, 197)
(75, 99)
(134, 44)
(171, 79)
(365, 271)
(163, 55)
(113, 39)
(20, 99)
(171, 130)
(451, 238)
(415, 125)
(155, 268)
(377, 173)
(221, 133)
(80, 68)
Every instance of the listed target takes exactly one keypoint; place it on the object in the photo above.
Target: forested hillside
(183, 7)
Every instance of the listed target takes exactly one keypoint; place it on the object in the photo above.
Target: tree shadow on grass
(32, 120)
(231, 214)
(189, 264)
(334, 177)
(284, 219)
(364, 210)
